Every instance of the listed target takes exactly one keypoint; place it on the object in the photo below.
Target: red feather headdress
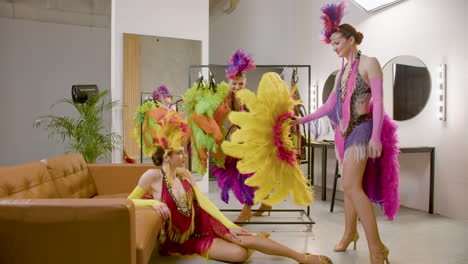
(331, 19)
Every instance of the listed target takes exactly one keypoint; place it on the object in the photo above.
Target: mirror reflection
(406, 84)
(149, 62)
(409, 80)
(328, 86)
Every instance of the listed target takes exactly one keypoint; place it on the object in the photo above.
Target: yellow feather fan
(264, 145)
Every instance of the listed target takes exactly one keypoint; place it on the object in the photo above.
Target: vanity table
(324, 146)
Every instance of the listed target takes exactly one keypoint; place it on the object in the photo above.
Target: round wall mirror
(407, 86)
(329, 86)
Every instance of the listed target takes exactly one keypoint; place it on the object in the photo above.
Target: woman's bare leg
(352, 182)
(350, 216)
(221, 251)
(225, 251)
(350, 224)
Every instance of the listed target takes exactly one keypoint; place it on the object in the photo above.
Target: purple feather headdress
(239, 62)
(160, 93)
(331, 19)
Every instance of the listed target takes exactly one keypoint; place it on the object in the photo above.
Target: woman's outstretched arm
(322, 111)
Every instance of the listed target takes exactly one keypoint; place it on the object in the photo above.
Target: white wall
(39, 64)
(272, 31)
(428, 29)
(186, 19)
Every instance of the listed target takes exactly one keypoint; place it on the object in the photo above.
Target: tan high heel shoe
(344, 243)
(380, 256)
(261, 210)
(244, 216)
(312, 259)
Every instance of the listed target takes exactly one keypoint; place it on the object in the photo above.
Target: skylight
(373, 5)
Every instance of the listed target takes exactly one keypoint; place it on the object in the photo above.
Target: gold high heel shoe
(344, 243)
(244, 216)
(261, 208)
(309, 259)
(380, 256)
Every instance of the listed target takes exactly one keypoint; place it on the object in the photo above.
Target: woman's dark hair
(349, 31)
(158, 155)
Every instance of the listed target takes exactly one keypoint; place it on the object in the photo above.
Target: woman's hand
(295, 120)
(375, 149)
(235, 235)
(163, 211)
(240, 232)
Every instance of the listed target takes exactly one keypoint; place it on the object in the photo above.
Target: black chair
(337, 175)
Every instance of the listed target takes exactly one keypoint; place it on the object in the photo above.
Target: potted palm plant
(84, 134)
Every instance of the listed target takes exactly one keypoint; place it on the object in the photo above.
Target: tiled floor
(415, 237)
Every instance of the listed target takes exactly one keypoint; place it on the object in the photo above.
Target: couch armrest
(116, 178)
(68, 231)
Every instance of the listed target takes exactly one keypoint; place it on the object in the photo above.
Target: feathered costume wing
(202, 107)
(264, 145)
(144, 129)
(159, 126)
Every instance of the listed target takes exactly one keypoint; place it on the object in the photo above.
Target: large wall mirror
(406, 85)
(409, 80)
(151, 61)
(329, 86)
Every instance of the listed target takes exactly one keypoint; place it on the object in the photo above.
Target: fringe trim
(354, 152)
(174, 233)
(359, 151)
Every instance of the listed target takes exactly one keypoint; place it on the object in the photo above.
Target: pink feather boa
(381, 176)
(283, 153)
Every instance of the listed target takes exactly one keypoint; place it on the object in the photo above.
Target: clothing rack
(309, 222)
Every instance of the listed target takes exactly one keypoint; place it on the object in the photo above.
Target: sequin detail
(356, 122)
(361, 93)
(186, 209)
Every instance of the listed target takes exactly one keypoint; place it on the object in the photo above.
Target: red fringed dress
(190, 230)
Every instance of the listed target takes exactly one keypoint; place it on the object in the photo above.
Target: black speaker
(82, 92)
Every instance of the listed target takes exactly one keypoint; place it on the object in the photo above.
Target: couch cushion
(117, 178)
(148, 224)
(70, 175)
(30, 180)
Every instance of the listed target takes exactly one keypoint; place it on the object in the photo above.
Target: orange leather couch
(71, 212)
